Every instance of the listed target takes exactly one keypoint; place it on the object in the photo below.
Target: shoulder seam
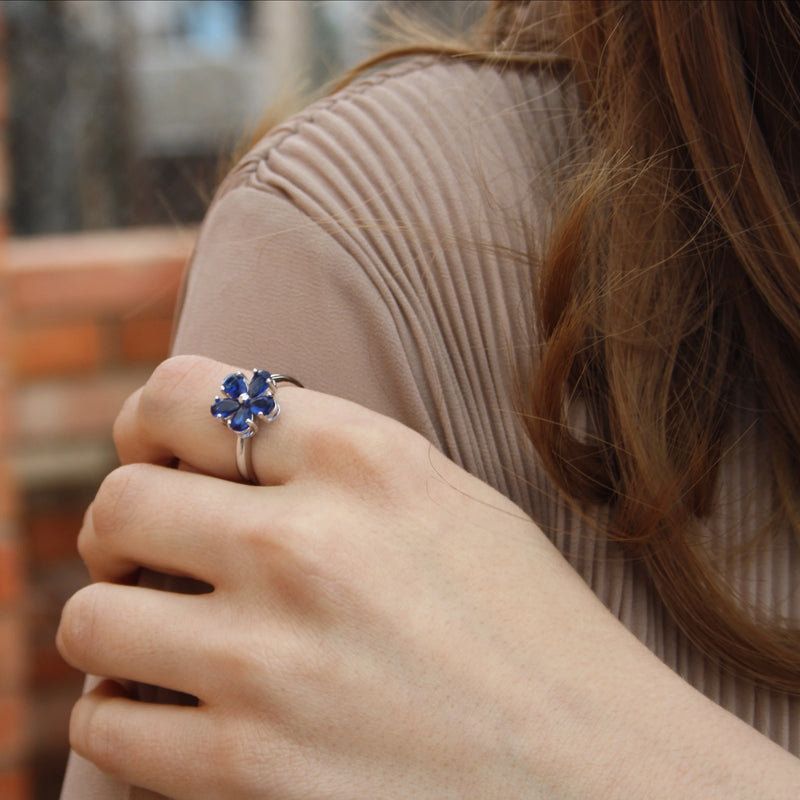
(291, 127)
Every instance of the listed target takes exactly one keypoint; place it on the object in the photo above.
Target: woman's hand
(380, 624)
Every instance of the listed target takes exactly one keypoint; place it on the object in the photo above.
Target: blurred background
(117, 120)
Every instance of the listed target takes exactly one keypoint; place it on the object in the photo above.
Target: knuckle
(157, 392)
(153, 408)
(363, 447)
(239, 760)
(117, 499)
(165, 387)
(119, 430)
(93, 735)
(76, 630)
(173, 371)
(86, 536)
(288, 552)
(302, 552)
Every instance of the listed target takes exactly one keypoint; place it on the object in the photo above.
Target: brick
(104, 272)
(5, 232)
(49, 669)
(14, 662)
(50, 711)
(146, 340)
(4, 315)
(52, 534)
(15, 784)
(54, 349)
(9, 493)
(48, 594)
(5, 184)
(76, 463)
(13, 726)
(11, 574)
(5, 406)
(95, 290)
(46, 411)
(3, 90)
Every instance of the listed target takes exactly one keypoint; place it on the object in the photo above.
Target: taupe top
(378, 246)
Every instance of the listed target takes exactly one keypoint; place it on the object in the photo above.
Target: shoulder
(384, 236)
(411, 167)
(414, 123)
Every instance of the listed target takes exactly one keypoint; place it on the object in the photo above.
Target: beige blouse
(378, 246)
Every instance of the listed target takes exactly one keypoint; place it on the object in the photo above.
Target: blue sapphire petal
(263, 406)
(234, 385)
(258, 385)
(238, 422)
(224, 407)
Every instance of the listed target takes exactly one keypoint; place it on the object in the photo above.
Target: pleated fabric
(382, 246)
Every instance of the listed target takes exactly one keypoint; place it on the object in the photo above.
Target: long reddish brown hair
(671, 287)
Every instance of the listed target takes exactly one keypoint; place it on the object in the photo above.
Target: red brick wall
(14, 717)
(86, 318)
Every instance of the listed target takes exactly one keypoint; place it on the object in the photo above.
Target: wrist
(647, 733)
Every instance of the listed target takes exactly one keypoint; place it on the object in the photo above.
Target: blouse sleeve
(269, 287)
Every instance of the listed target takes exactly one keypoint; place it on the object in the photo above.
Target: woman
(532, 531)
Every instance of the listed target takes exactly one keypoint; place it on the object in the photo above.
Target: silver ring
(242, 404)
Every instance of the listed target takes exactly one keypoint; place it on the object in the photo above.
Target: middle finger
(135, 634)
(166, 520)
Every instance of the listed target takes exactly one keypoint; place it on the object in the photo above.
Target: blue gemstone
(263, 406)
(238, 422)
(224, 407)
(259, 383)
(234, 385)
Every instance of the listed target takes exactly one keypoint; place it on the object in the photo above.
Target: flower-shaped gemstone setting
(244, 401)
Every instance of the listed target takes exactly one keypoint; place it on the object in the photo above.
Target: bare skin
(381, 624)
